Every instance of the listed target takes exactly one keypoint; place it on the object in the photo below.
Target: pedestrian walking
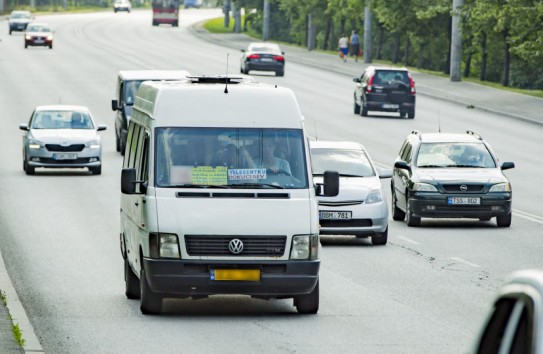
(343, 45)
(355, 45)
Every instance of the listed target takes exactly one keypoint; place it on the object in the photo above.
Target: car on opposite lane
(263, 56)
(39, 34)
(444, 175)
(360, 208)
(385, 89)
(18, 20)
(62, 136)
(122, 5)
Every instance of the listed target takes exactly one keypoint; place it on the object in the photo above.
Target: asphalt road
(425, 292)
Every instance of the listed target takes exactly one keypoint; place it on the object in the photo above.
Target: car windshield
(130, 90)
(230, 158)
(61, 120)
(348, 162)
(38, 28)
(454, 155)
(20, 15)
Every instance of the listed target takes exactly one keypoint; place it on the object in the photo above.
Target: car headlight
(374, 196)
(28, 37)
(500, 187)
(34, 144)
(49, 38)
(424, 187)
(95, 144)
(305, 247)
(164, 246)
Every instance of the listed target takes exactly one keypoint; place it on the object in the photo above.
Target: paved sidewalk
(494, 100)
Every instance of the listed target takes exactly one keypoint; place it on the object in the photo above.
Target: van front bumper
(187, 278)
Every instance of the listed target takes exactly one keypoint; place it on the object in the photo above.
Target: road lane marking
(408, 240)
(460, 260)
(528, 216)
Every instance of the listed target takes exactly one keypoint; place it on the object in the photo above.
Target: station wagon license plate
(65, 156)
(335, 215)
(235, 274)
(390, 106)
(463, 200)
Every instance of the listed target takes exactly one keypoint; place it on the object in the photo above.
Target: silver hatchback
(62, 136)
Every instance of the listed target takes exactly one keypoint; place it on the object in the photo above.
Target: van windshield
(230, 158)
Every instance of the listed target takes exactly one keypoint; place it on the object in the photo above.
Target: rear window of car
(391, 75)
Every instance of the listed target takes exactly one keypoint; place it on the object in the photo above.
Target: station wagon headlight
(500, 187)
(34, 144)
(374, 196)
(305, 247)
(94, 145)
(424, 187)
(164, 246)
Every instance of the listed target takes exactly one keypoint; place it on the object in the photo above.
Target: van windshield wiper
(189, 185)
(252, 185)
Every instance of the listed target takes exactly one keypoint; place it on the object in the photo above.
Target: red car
(38, 34)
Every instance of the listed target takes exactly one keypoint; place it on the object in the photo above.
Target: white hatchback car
(360, 208)
(62, 136)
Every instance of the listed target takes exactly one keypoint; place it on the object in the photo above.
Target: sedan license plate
(463, 200)
(235, 274)
(335, 215)
(39, 41)
(266, 59)
(65, 156)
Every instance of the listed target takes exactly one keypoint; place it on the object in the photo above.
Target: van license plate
(65, 156)
(235, 274)
(464, 201)
(335, 215)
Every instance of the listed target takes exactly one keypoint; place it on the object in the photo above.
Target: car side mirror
(114, 105)
(507, 165)
(385, 173)
(356, 79)
(243, 50)
(403, 165)
(23, 126)
(102, 127)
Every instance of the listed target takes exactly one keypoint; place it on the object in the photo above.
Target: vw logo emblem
(463, 188)
(235, 246)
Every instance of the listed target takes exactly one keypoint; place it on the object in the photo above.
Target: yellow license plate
(235, 274)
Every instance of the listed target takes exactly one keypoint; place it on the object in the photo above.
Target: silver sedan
(62, 136)
(360, 208)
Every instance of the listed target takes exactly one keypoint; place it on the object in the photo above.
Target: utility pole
(368, 19)
(311, 33)
(226, 10)
(236, 10)
(456, 42)
(266, 21)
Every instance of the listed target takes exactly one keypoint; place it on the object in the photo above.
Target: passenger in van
(270, 160)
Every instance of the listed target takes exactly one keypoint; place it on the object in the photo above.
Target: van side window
(132, 145)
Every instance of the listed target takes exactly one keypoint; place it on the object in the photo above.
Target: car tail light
(370, 83)
(412, 84)
(253, 56)
(278, 58)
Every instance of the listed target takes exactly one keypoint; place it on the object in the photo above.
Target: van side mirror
(507, 165)
(128, 181)
(330, 185)
(114, 105)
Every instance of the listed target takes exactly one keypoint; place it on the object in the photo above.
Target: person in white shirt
(343, 45)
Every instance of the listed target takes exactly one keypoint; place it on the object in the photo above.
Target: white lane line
(528, 216)
(408, 240)
(460, 260)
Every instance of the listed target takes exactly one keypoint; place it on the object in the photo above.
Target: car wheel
(411, 219)
(96, 170)
(363, 110)
(10, 31)
(241, 70)
(280, 73)
(356, 107)
(117, 143)
(503, 220)
(397, 213)
(132, 283)
(411, 113)
(51, 46)
(26, 45)
(309, 303)
(380, 239)
(30, 170)
(150, 302)
(123, 146)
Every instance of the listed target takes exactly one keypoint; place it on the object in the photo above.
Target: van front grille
(217, 245)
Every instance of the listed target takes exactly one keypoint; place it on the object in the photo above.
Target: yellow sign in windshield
(210, 175)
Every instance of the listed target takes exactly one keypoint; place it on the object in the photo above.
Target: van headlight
(305, 247)
(500, 187)
(374, 196)
(164, 246)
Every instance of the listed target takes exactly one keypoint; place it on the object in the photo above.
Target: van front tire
(132, 283)
(308, 304)
(150, 302)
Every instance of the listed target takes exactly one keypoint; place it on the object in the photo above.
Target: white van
(217, 194)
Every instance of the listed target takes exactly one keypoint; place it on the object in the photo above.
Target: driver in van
(269, 160)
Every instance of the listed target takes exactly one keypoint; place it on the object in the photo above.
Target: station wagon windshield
(230, 158)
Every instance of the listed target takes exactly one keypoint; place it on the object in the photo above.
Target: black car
(385, 90)
(440, 175)
(18, 20)
(263, 56)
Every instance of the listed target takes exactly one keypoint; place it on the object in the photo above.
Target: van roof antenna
(438, 122)
(226, 78)
(316, 135)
